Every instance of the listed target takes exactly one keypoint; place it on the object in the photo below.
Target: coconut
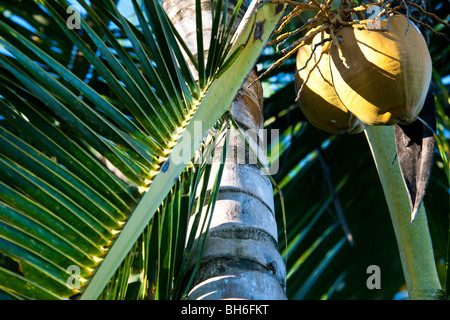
(381, 75)
(318, 100)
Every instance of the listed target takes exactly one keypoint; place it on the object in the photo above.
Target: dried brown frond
(311, 23)
(288, 18)
(304, 40)
(286, 54)
(323, 8)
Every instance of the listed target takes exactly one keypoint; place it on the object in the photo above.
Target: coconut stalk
(413, 238)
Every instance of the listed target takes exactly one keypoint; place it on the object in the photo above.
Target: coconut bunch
(366, 75)
(361, 65)
(353, 72)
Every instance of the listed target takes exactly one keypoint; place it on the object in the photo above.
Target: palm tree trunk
(241, 259)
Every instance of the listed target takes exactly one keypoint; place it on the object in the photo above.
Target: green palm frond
(87, 178)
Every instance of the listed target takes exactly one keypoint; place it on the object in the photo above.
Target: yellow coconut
(381, 76)
(318, 100)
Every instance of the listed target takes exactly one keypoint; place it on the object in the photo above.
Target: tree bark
(241, 259)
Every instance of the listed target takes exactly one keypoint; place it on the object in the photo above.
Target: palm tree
(135, 138)
(96, 203)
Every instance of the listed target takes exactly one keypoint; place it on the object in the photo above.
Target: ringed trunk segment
(241, 259)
